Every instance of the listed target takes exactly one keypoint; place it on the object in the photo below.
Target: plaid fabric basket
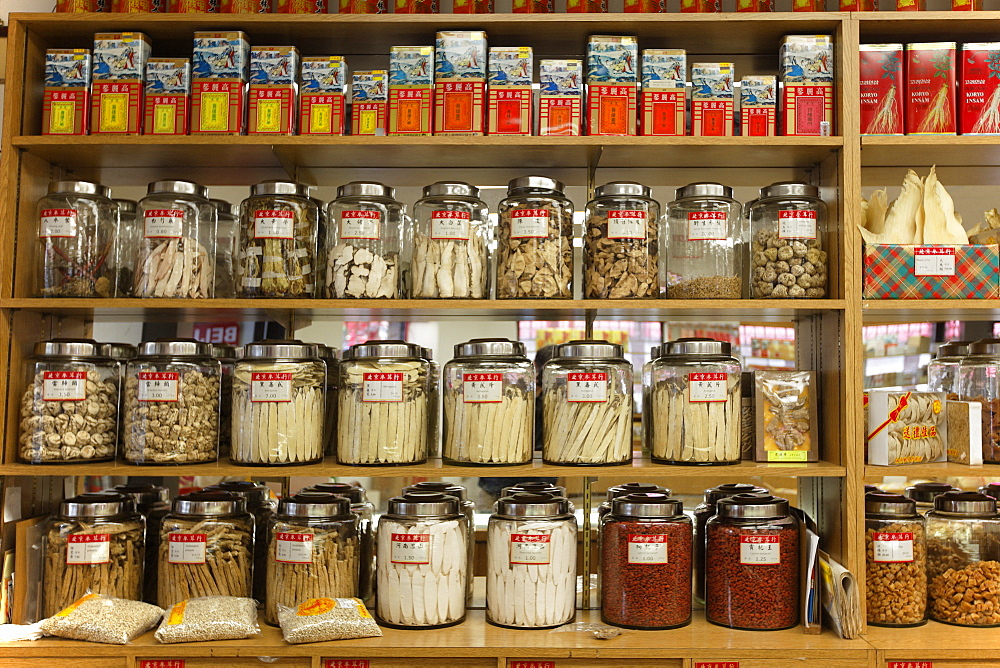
(889, 274)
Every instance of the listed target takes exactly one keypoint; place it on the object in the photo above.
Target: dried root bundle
(450, 268)
(886, 118)
(489, 433)
(227, 568)
(587, 432)
(695, 432)
(179, 268)
(276, 268)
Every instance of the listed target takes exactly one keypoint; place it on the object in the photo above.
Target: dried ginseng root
(446, 268)
(179, 268)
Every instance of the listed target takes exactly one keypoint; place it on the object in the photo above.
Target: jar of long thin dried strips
(703, 260)
(257, 500)
(466, 505)
(364, 242)
(279, 395)
(896, 561)
(172, 403)
(153, 503)
(313, 551)
(943, 370)
(924, 493)
(69, 409)
(121, 263)
(227, 362)
(364, 510)
(621, 252)
(206, 548)
(177, 248)
(279, 224)
(535, 246)
(331, 359)
(385, 405)
(702, 513)
(225, 249)
(95, 544)
(979, 380)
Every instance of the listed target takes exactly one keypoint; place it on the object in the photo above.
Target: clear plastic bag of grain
(104, 619)
(209, 618)
(321, 619)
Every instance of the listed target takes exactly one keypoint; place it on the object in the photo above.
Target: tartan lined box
(932, 272)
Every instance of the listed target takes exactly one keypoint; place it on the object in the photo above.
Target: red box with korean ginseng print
(979, 89)
(881, 74)
(930, 89)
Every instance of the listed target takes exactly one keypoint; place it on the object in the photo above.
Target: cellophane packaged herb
(209, 618)
(319, 619)
(104, 619)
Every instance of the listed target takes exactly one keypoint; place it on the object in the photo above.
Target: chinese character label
(346, 663)
(294, 548)
(88, 549)
(893, 548)
(410, 548)
(707, 225)
(933, 261)
(708, 387)
(161, 663)
(529, 548)
(360, 224)
(158, 385)
(163, 223)
(64, 385)
(382, 387)
(796, 224)
(482, 388)
(532, 664)
(760, 550)
(271, 224)
(647, 549)
(186, 548)
(450, 225)
(910, 664)
(587, 387)
(57, 223)
(270, 386)
(529, 224)
(717, 664)
(627, 224)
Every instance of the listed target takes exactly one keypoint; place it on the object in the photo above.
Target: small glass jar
(121, 263)
(279, 404)
(896, 561)
(257, 501)
(420, 554)
(76, 225)
(752, 564)
(385, 405)
(364, 242)
(788, 228)
(535, 245)
(924, 493)
(963, 560)
(943, 370)
(153, 503)
(171, 406)
(206, 548)
(226, 355)
(587, 405)
(531, 562)
(646, 563)
(277, 250)
(467, 507)
(703, 261)
(68, 381)
(696, 403)
(95, 544)
(489, 404)
(979, 380)
(312, 551)
(451, 243)
(621, 255)
(225, 249)
(364, 510)
(331, 358)
(702, 513)
(177, 248)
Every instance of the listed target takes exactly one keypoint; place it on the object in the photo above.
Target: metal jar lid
(418, 505)
(224, 352)
(175, 348)
(525, 505)
(178, 188)
(789, 189)
(752, 506)
(588, 349)
(896, 505)
(535, 183)
(126, 206)
(427, 354)
(873, 488)
(989, 347)
(223, 207)
(489, 348)
(97, 504)
(647, 504)
(991, 489)
(449, 488)
(534, 487)
(697, 346)
(452, 189)
(353, 493)
(627, 488)
(654, 352)
(704, 189)
(275, 349)
(210, 502)
(281, 188)
(119, 351)
(144, 495)
(316, 505)
(965, 503)
(624, 189)
(726, 490)
(954, 349)
(366, 189)
(326, 353)
(256, 494)
(70, 348)
(925, 492)
(79, 188)
(386, 348)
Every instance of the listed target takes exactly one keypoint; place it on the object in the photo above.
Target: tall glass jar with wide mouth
(153, 503)
(696, 403)
(227, 363)
(963, 560)
(535, 241)
(943, 370)
(702, 513)
(489, 404)
(331, 358)
(896, 561)
(121, 263)
(421, 556)
(604, 510)
(531, 562)
(466, 505)
(69, 408)
(364, 510)
(587, 397)
(451, 243)
(363, 243)
(76, 227)
(94, 544)
(979, 380)
(177, 248)
(225, 249)
(924, 493)
(279, 224)
(703, 261)
(621, 253)
(279, 404)
(257, 500)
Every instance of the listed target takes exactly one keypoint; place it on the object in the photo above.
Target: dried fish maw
(941, 226)
(901, 220)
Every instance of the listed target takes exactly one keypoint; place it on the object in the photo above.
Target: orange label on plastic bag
(74, 605)
(315, 606)
(177, 613)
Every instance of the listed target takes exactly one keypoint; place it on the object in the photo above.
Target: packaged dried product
(320, 619)
(363, 243)
(896, 556)
(209, 618)
(785, 408)
(906, 427)
(621, 247)
(98, 618)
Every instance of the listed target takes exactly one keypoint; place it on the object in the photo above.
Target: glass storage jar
(752, 564)
(331, 358)
(489, 403)
(206, 548)
(535, 241)
(943, 370)
(225, 249)
(531, 562)
(702, 513)
(646, 563)
(703, 259)
(924, 493)
(226, 355)
(621, 254)
(421, 558)
(124, 250)
(153, 503)
(896, 561)
(963, 560)
(467, 507)
(279, 404)
(312, 551)
(94, 544)
(277, 252)
(788, 228)
(76, 225)
(257, 501)
(363, 243)
(434, 377)
(177, 248)
(385, 405)
(979, 380)
(587, 405)
(696, 403)
(120, 353)
(364, 510)
(451, 243)
(171, 406)
(647, 384)
(68, 381)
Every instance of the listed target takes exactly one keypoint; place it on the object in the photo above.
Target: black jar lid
(256, 494)
(953, 349)
(624, 489)
(972, 504)
(991, 489)
(449, 488)
(895, 505)
(316, 505)
(144, 495)
(725, 490)
(97, 504)
(872, 488)
(210, 502)
(925, 492)
(534, 487)
(752, 506)
(526, 505)
(353, 493)
(647, 504)
(421, 505)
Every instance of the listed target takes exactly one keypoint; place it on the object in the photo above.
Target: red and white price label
(708, 387)
(346, 663)
(163, 223)
(716, 664)
(760, 550)
(482, 388)
(707, 225)
(294, 548)
(382, 387)
(450, 225)
(530, 548)
(88, 549)
(360, 224)
(532, 664)
(270, 386)
(933, 261)
(587, 387)
(64, 385)
(57, 223)
(796, 224)
(158, 385)
(910, 664)
(273, 224)
(410, 548)
(186, 548)
(893, 548)
(161, 663)
(627, 224)
(529, 224)
(647, 549)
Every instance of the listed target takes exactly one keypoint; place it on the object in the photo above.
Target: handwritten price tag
(933, 261)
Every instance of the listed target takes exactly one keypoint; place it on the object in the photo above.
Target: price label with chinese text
(707, 226)
(627, 224)
(382, 387)
(270, 386)
(294, 548)
(893, 548)
(64, 385)
(760, 550)
(529, 224)
(163, 223)
(410, 548)
(708, 387)
(587, 387)
(450, 225)
(482, 388)
(796, 224)
(933, 261)
(643, 549)
(88, 549)
(57, 223)
(186, 548)
(272, 224)
(158, 385)
(529, 548)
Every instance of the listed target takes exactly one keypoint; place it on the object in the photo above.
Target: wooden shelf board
(936, 641)
(929, 310)
(926, 26)
(936, 470)
(940, 150)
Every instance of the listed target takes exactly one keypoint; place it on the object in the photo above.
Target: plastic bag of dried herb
(209, 618)
(319, 619)
(97, 618)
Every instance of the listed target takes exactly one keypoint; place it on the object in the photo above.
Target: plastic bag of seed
(98, 618)
(209, 618)
(318, 619)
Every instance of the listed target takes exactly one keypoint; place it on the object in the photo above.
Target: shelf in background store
(925, 150)
(937, 470)
(877, 311)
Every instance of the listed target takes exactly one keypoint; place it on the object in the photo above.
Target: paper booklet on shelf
(840, 598)
(811, 612)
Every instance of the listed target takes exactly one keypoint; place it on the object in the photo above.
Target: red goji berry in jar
(702, 513)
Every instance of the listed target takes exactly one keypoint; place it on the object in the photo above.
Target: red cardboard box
(66, 97)
(246, 6)
(217, 106)
(369, 109)
(966, 5)
(416, 7)
(645, 6)
(712, 113)
(509, 105)
(910, 5)
(754, 5)
(881, 74)
(586, 6)
(301, 7)
(700, 6)
(930, 88)
(860, 5)
(472, 7)
(808, 5)
(979, 89)
(138, 6)
(76, 6)
(758, 105)
(322, 98)
(460, 61)
(663, 93)
(532, 7)
(193, 6)
(560, 102)
(363, 6)
(168, 94)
